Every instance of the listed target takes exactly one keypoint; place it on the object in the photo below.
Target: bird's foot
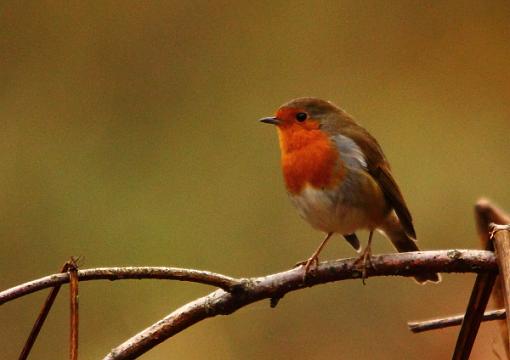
(365, 260)
(309, 264)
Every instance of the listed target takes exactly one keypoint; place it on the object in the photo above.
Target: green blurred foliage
(129, 137)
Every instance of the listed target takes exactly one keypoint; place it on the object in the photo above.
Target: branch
(73, 294)
(43, 314)
(485, 214)
(501, 239)
(275, 286)
(421, 326)
(474, 314)
(121, 273)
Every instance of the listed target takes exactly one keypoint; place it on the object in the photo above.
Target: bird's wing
(379, 168)
(390, 189)
(350, 153)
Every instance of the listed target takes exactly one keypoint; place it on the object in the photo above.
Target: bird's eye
(301, 116)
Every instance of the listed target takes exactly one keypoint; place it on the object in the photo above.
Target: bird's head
(307, 114)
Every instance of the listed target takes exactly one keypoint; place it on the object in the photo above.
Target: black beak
(270, 120)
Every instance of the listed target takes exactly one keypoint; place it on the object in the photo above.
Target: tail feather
(354, 241)
(393, 230)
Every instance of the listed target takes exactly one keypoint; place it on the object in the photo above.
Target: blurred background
(129, 136)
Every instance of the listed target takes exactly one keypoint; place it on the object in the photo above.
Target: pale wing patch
(350, 152)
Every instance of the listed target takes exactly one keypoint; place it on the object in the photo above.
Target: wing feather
(379, 168)
(390, 188)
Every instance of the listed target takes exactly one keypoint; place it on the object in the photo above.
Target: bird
(339, 179)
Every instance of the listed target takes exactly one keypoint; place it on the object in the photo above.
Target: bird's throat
(309, 157)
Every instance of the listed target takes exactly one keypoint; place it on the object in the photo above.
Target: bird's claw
(313, 261)
(365, 259)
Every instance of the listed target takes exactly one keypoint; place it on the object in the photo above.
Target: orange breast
(308, 157)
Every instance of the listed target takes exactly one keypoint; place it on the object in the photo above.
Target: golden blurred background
(130, 137)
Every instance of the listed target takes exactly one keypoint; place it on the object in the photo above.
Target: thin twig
(275, 286)
(43, 314)
(73, 292)
(474, 312)
(455, 320)
(122, 273)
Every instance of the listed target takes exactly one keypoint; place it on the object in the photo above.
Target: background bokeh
(129, 137)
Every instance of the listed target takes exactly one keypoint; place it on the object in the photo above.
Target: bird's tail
(404, 243)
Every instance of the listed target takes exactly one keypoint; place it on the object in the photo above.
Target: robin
(339, 180)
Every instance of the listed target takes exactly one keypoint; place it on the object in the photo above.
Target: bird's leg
(365, 257)
(315, 256)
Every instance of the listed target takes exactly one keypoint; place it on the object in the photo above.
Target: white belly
(326, 211)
